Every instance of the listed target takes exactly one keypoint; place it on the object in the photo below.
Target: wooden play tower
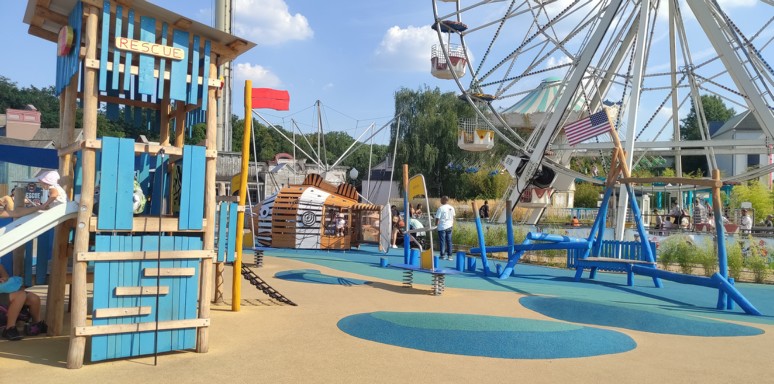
(152, 272)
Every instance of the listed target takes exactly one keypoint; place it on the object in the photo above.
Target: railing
(624, 250)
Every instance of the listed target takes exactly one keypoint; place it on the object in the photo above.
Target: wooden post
(236, 292)
(164, 121)
(58, 270)
(180, 124)
(205, 290)
(90, 107)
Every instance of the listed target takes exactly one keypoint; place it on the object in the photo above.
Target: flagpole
(236, 292)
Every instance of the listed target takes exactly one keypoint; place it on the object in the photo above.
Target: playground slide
(26, 228)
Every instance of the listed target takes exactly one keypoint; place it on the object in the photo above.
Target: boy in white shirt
(444, 220)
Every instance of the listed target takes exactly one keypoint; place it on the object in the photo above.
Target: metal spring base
(439, 284)
(408, 279)
(258, 258)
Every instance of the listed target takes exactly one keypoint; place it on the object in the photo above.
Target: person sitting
(13, 302)
(417, 212)
(397, 225)
(659, 221)
(575, 222)
(769, 222)
(417, 238)
(685, 221)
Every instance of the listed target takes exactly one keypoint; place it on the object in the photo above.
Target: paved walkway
(268, 342)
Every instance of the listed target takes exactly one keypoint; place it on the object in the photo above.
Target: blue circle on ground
(489, 336)
(630, 317)
(314, 276)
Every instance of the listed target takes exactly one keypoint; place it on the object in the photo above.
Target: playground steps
(256, 280)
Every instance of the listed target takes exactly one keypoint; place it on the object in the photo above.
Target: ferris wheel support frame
(713, 27)
(638, 63)
(567, 94)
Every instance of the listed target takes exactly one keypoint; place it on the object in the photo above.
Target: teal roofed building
(530, 110)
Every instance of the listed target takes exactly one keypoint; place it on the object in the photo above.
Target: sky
(352, 56)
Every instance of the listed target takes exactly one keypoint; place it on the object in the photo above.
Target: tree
(757, 194)
(586, 195)
(428, 137)
(44, 99)
(714, 110)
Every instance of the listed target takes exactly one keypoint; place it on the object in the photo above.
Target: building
(743, 126)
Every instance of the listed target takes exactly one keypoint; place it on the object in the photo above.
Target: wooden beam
(102, 313)
(169, 272)
(44, 34)
(139, 327)
(142, 291)
(150, 224)
(150, 148)
(50, 15)
(144, 255)
(135, 70)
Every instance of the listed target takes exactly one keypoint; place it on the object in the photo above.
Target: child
(13, 303)
(56, 194)
(340, 225)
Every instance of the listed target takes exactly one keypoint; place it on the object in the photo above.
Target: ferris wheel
(644, 63)
(539, 65)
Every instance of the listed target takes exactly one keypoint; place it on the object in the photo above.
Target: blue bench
(611, 264)
(439, 275)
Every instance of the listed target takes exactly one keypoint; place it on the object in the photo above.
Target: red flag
(271, 99)
(587, 128)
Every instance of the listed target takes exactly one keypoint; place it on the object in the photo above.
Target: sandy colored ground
(271, 343)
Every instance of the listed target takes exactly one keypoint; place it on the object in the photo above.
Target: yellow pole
(236, 293)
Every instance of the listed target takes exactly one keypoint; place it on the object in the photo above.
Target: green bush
(735, 260)
(757, 262)
(707, 257)
(676, 249)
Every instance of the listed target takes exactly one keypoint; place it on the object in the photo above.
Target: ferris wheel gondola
(446, 58)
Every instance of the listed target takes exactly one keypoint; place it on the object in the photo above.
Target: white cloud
(261, 77)
(407, 48)
(552, 61)
(269, 22)
(327, 86)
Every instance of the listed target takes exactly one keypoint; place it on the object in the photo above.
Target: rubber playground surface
(356, 323)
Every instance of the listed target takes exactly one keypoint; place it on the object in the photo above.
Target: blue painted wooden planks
(104, 46)
(179, 68)
(147, 81)
(192, 188)
(179, 303)
(116, 185)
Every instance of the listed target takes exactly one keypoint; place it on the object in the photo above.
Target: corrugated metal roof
(735, 123)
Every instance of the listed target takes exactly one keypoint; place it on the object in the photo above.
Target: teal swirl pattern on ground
(489, 336)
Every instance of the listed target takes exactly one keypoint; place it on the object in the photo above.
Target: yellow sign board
(236, 182)
(416, 186)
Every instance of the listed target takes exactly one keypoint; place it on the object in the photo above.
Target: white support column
(632, 111)
(673, 15)
(568, 93)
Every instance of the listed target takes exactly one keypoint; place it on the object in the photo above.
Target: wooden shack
(305, 216)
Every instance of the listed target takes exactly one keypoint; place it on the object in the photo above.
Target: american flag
(587, 128)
